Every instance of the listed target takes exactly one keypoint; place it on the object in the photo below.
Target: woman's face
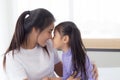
(45, 35)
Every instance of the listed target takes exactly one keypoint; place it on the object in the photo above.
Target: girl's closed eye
(54, 35)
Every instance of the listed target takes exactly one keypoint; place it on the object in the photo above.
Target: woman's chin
(42, 45)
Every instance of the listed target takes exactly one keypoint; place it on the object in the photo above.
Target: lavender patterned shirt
(68, 69)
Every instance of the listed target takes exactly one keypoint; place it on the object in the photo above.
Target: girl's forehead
(55, 31)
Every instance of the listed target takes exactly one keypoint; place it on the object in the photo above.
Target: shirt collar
(67, 53)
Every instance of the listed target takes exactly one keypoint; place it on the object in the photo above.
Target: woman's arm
(59, 69)
(94, 71)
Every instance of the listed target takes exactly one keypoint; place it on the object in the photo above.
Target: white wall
(105, 59)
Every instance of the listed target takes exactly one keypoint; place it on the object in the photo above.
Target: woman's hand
(51, 78)
(95, 71)
(59, 69)
(46, 78)
(71, 78)
(76, 79)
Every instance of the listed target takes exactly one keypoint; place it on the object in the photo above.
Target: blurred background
(98, 21)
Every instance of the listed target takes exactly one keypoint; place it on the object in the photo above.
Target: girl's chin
(57, 48)
(54, 47)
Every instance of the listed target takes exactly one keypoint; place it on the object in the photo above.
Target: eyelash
(49, 31)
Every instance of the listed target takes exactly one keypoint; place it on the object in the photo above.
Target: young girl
(76, 63)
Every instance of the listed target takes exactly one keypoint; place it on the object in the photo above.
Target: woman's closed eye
(50, 32)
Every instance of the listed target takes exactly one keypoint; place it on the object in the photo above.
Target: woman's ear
(35, 33)
(66, 39)
(36, 30)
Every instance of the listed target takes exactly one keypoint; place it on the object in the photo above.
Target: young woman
(30, 57)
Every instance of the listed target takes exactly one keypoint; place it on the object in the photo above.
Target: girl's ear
(66, 39)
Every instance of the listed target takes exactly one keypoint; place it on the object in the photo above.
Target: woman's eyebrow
(51, 29)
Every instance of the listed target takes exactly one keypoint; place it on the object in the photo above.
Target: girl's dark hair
(75, 43)
(39, 19)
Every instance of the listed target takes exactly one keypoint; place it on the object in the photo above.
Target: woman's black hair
(39, 19)
(75, 43)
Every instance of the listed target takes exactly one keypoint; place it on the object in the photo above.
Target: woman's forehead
(51, 26)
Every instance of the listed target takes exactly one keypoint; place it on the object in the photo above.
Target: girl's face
(45, 35)
(57, 40)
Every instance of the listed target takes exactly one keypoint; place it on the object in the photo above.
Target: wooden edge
(102, 43)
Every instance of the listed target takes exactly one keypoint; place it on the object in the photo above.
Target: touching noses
(50, 36)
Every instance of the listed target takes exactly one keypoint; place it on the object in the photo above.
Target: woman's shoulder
(12, 53)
